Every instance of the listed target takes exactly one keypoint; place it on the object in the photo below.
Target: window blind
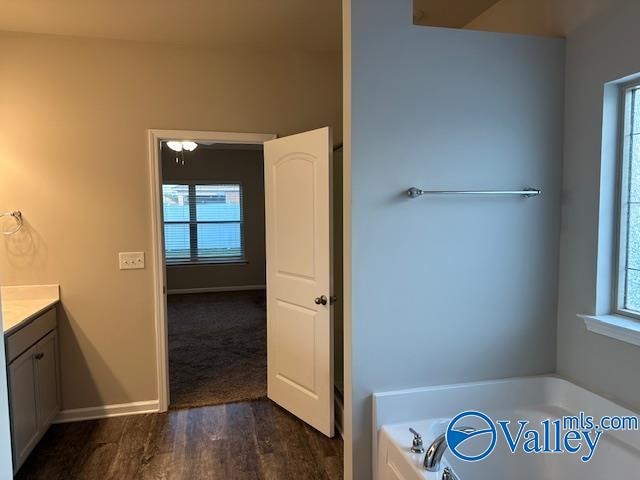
(203, 222)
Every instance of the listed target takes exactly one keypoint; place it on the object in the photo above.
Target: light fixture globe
(179, 146)
(175, 146)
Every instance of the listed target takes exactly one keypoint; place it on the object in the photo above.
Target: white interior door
(299, 276)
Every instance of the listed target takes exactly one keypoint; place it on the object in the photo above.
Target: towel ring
(17, 215)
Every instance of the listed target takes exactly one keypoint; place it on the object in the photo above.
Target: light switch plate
(131, 260)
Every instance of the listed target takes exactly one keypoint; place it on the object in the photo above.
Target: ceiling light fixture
(180, 146)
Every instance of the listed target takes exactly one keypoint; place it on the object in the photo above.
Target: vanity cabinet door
(24, 417)
(46, 355)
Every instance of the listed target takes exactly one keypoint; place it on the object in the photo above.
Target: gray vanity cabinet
(33, 383)
(46, 356)
(24, 406)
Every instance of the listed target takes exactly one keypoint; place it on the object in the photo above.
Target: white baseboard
(239, 288)
(106, 411)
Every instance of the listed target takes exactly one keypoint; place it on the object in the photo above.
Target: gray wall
(601, 51)
(211, 165)
(450, 289)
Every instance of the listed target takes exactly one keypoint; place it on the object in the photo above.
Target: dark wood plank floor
(253, 440)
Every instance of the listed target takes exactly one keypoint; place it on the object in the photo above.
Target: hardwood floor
(252, 440)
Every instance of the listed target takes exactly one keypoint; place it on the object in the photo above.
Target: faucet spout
(436, 450)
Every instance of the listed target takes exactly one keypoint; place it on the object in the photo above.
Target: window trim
(622, 193)
(193, 226)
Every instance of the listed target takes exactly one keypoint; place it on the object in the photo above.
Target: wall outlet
(131, 260)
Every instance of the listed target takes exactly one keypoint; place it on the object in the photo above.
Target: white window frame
(194, 260)
(626, 99)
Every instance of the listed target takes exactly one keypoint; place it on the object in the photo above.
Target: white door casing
(299, 273)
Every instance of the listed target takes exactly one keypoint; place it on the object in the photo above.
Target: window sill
(621, 328)
(206, 263)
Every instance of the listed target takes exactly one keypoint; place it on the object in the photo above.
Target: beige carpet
(217, 348)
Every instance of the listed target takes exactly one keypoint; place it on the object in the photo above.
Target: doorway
(198, 307)
(301, 298)
(214, 249)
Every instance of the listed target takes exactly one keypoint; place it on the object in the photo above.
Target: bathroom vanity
(31, 346)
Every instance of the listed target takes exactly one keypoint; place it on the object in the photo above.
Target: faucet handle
(448, 474)
(417, 446)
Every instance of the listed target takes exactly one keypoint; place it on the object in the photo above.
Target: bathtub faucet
(435, 451)
(448, 474)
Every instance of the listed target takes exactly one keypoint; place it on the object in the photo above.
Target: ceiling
(311, 25)
(449, 13)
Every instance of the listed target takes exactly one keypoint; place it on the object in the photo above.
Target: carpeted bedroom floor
(217, 348)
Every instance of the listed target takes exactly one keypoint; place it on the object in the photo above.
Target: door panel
(23, 394)
(295, 331)
(294, 215)
(299, 270)
(47, 379)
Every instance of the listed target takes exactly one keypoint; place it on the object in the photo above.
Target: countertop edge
(24, 322)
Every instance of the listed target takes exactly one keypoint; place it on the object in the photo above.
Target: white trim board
(621, 328)
(157, 257)
(107, 411)
(239, 288)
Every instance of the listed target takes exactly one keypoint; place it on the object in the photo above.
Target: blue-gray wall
(450, 289)
(603, 50)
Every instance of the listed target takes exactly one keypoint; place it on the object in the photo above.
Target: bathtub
(614, 454)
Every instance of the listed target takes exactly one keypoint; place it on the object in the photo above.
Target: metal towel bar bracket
(527, 192)
(17, 215)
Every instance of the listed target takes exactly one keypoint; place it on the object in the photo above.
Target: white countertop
(21, 304)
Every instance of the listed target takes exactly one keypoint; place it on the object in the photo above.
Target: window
(628, 294)
(203, 223)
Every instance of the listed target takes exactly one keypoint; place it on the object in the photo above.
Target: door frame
(157, 255)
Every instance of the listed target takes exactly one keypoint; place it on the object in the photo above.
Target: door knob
(322, 300)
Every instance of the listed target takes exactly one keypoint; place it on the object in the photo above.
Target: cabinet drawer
(21, 340)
